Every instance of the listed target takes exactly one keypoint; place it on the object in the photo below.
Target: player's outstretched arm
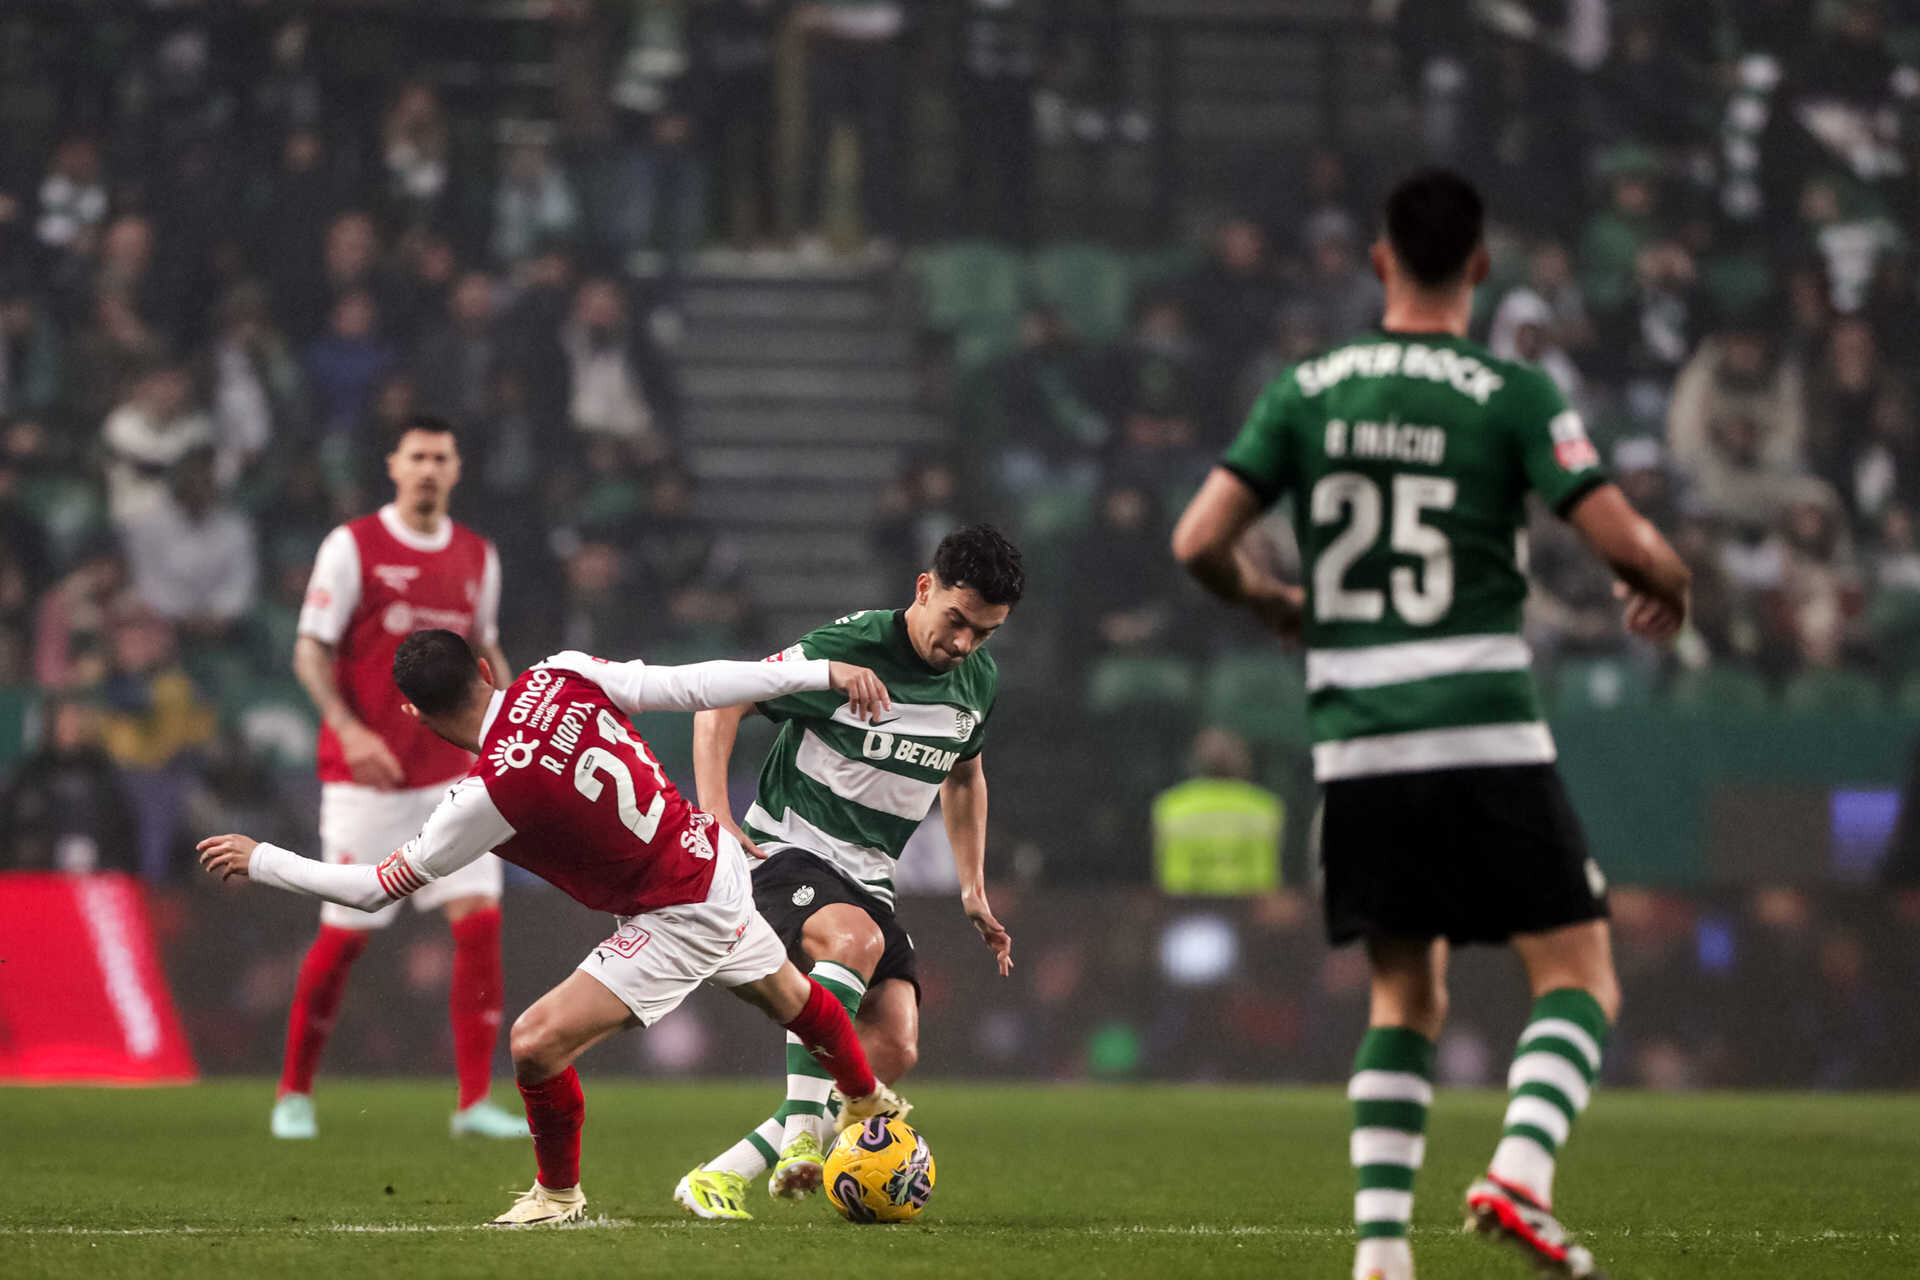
(706, 686)
(464, 825)
(1208, 542)
(963, 807)
(1653, 578)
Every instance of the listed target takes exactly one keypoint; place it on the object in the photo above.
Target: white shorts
(654, 960)
(361, 825)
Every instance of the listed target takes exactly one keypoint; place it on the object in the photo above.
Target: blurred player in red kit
(375, 580)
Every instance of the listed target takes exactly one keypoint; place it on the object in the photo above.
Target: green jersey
(1409, 457)
(853, 792)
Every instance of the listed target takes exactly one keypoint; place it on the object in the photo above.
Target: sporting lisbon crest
(963, 722)
(803, 895)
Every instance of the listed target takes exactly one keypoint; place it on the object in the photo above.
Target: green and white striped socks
(1391, 1089)
(1552, 1077)
(808, 1084)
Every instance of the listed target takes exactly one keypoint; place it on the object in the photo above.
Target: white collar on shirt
(438, 540)
(493, 709)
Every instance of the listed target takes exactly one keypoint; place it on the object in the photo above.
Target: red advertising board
(83, 999)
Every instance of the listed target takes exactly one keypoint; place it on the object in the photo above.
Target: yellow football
(879, 1171)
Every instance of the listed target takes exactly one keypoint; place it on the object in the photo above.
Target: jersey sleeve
(464, 825)
(1561, 463)
(486, 608)
(1262, 454)
(700, 686)
(333, 592)
(830, 642)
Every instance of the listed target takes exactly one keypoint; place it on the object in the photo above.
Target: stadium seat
(1262, 696)
(969, 287)
(1834, 693)
(1719, 689)
(1128, 683)
(16, 713)
(1090, 286)
(1601, 684)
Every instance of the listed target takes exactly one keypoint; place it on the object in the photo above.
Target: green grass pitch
(1050, 1182)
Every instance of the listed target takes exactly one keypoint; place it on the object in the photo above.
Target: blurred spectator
(192, 560)
(415, 294)
(532, 325)
(146, 436)
(1052, 396)
(999, 70)
(1234, 299)
(680, 557)
(916, 511)
(1855, 403)
(600, 608)
(253, 380)
(1818, 593)
(64, 808)
(533, 205)
(1525, 328)
(1157, 391)
(1218, 833)
(1295, 336)
(653, 180)
(70, 633)
(1738, 375)
(73, 197)
(619, 386)
(454, 365)
(107, 359)
(853, 77)
(1126, 598)
(417, 153)
(1845, 227)
(1611, 243)
(738, 116)
(1338, 286)
(344, 365)
(29, 351)
(289, 94)
(124, 269)
(155, 721)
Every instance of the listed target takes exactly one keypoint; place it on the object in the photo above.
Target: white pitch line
(1702, 1236)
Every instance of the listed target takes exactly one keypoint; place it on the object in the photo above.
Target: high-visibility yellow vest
(1217, 836)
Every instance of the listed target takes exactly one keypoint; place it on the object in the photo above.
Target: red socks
(555, 1111)
(824, 1027)
(474, 1001)
(316, 999)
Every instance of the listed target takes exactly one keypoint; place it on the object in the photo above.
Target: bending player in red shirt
(566, 789)
(376, 580)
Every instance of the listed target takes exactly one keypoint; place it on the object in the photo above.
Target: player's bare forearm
(714, 733)
(963, 808)
(1209, 542)
(1633, 549)
(314, 668)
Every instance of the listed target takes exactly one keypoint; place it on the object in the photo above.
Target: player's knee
(535, 1045)
(891, 1056)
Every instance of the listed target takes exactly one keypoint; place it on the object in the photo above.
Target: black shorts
(1470, 855)
(792, 884)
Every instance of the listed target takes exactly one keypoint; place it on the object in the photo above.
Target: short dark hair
(435, 671)
(421, 422)
(979, 558)
(1434, 222)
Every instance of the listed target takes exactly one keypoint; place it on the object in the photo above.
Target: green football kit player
(838, 799)
(1409, 456)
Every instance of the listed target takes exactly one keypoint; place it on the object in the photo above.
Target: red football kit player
(564, 788)
(375, 580)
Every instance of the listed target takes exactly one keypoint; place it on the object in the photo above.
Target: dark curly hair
(435, 670)
(980, 558)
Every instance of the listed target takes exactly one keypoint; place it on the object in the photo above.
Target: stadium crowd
(227, 270)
